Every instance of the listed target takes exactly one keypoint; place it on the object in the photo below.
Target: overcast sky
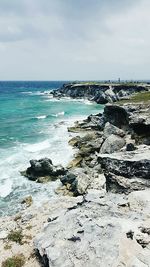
(74, 39)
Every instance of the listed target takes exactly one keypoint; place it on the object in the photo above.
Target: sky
(74, 39)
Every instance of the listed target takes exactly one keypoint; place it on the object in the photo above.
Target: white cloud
(82, 39)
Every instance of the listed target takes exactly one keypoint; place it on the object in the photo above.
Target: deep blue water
(33, 125)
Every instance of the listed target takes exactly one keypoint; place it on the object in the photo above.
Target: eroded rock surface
(100, 93)
(43, 170)
(102, 230)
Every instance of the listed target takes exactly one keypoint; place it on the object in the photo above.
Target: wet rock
(43, 170)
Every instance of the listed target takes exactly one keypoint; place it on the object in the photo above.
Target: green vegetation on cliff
(137, 98)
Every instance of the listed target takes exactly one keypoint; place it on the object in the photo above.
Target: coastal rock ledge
(99, 230)
(99, 92)
(100, 215)
(109, 225)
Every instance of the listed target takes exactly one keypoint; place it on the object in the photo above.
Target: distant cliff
(100, 93)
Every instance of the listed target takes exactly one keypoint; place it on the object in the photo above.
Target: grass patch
(15, 236)
(29, 227)
(15, 261)
(7, 246)
(137, 98)
(107, 82)
(144, 96)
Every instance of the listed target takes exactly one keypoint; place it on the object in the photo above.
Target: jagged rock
(111, 129)
(79, 182)
(111, 144)
(130, 147)
(76, 162)
(95, 232)
(120, 184)
(127, 164)
(93, 122)
(27, 201)
(43, 170)
(96, 122)
(101, 93)
(68, 179)
(116, 115)
(74, 141)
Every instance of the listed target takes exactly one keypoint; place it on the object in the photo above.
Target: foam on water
(37, 147)
(41, 117)
(34, 126)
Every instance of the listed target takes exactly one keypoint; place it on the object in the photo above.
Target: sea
(34, 125)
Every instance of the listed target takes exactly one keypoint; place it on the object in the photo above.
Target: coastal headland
(100, 215)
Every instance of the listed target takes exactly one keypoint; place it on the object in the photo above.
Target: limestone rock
(111, 144)
(43, 170)
(128, 164)
(111, 129)
(95, 232)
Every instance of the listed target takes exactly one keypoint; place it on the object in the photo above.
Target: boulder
(43, 170)
(74, 141)
(76, 181)
(130, 147)
(116, 115)
(122, 185)
(76, 162)
(111, 129)
(111, 144)
(128, 164)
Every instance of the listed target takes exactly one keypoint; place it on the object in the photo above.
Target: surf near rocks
(108, 223)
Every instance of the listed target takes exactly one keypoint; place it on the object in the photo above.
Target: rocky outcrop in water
(43, 170)
(100, 93)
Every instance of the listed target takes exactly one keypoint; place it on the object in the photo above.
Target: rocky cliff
(100, 93)
(109, 225)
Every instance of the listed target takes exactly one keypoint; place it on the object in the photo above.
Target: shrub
(15, 261)
(15, 236)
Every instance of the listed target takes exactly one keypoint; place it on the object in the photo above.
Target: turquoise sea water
(33, 125)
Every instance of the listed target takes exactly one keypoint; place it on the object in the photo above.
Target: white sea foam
(51, 99)
(46, 93)
(37, 147)
(5, 188)
(87, 102)
(62, 113)
(41, 117)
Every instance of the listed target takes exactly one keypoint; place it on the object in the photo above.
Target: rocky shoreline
(99, 92)
(100, 215)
